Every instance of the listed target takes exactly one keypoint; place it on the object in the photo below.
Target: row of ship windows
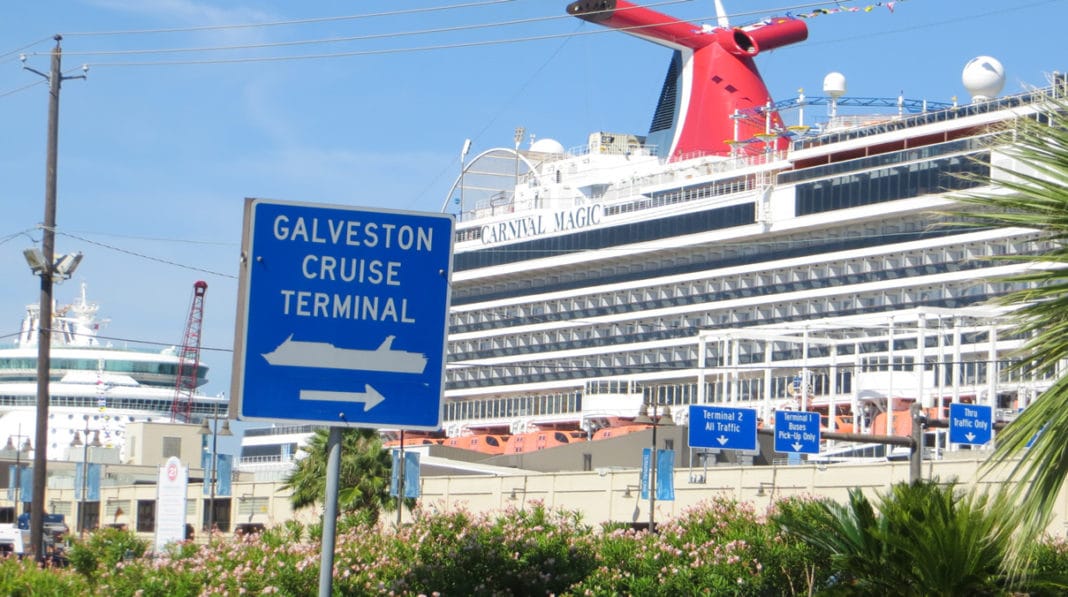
(719, 188)
(864, 188)
(748, 353)
(146, 405)
(701, 258)
(514, 406)
(888, 184)
(602, 238)
(113, 366)
(662, 328)
(620, 363)
(891, 266)
(971, 144)
(467, 321)
(718, 390)
(721, 390)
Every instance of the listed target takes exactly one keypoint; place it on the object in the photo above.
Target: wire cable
(305, 21)
(148, 257)
(25, 47)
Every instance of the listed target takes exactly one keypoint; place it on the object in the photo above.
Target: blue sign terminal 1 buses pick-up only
(342, 315)
(797, 432)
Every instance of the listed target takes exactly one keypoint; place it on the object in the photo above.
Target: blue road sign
(723, 427)
(970, 423)
(797, 432)
(342, 315)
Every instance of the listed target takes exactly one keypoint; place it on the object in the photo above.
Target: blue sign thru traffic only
(723, 427)
(797, 432)
(342, 315)
(970, 423)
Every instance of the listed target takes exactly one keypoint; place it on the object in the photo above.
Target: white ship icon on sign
(320, 355)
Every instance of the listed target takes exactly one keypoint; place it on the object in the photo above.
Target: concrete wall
(610, 494)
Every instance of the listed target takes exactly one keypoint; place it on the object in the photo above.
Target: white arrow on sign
(797, 446)
(722, 440)
(969, 436)
(369, 397)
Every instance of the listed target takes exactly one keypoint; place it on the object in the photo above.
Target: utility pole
(44, 323)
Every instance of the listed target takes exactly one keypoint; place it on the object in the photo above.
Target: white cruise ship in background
(738, 253)
(111, 385)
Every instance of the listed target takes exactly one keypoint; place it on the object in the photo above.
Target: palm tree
(364, 476)
(917, 539)
(1036, 197)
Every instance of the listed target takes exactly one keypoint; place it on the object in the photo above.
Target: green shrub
(105, 548)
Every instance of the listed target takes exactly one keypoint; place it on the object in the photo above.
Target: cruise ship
(93, 385)
(735, 253)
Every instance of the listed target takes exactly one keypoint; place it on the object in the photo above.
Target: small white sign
(171, 492)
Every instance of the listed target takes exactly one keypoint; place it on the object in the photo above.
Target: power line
(148, 257)
(165, 239)
(23, 88)
(327, 40)
(324, 40)
(25, 47)
(305, 21)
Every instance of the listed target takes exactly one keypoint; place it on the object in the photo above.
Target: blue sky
(155, 159)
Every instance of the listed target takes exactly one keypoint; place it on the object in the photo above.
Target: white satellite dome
(834, 84)
(547, 145)
(983, 77)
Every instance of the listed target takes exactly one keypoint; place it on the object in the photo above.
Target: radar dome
(547, 145)
(983, 77)
(834, 84)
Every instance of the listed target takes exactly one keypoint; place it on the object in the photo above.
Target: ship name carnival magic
(737, 253)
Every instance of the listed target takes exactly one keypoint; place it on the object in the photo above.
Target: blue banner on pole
(225, 462)
(411, 474)
(26, 485)
(13, 482)
(665, 475)
(91, 483)
(643, 484)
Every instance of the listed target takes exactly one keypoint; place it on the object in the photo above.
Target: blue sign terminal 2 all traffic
(723, 427)
(797, 432)
(970, 423)
(342, 315)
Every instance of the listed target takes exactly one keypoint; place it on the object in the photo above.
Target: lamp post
(77, 441)
(519, 132)
(655, 419)
(215, 432)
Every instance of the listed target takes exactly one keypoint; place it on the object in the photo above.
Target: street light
(655, 420)
(215, 432)
(74, 443)
(519, 132)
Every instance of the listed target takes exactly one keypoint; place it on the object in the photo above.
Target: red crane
(189, 357)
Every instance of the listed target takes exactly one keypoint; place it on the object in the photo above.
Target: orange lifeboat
(412, 442)
(539, 440)
(485, 443)
(618, 431)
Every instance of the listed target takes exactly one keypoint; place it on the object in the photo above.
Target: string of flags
(839, 8)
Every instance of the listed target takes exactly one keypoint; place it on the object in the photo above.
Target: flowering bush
(718, 547)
